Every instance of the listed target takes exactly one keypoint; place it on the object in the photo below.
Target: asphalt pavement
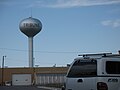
(23, 88)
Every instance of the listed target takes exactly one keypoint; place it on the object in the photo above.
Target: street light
(3, 60)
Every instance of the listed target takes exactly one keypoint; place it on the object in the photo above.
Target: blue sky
(70, 27)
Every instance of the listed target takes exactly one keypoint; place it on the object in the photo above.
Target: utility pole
(3, 60)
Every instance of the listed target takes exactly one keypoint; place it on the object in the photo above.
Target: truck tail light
(102, 86)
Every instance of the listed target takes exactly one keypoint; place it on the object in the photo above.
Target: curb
(49, 88)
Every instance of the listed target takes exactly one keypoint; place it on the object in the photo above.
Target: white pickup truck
(94, 72)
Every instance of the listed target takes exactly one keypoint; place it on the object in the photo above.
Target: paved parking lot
(23, 88)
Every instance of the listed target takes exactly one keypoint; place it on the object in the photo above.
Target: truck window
(113, 67)
(83, 68)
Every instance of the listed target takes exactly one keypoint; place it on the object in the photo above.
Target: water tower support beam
(30, 40)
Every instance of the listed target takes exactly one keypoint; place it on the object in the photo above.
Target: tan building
(29, 76)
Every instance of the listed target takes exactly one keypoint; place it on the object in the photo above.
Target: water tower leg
(30, 40)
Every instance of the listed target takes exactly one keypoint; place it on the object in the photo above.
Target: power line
(37, 51)
(9, 49)
(56, 52)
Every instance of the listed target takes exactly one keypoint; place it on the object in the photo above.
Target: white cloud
(11, 3)
(111, 23)
(77, 3)
(59, 3)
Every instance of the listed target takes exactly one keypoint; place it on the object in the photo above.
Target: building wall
(46, 79)
(8, 72)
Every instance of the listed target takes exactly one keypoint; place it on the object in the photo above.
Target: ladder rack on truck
(99, 54)
(113, 55)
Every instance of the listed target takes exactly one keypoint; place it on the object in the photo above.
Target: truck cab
(94, 72)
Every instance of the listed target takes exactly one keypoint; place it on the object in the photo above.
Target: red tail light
(102, 86)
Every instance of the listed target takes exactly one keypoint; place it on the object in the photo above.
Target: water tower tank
(30, 26)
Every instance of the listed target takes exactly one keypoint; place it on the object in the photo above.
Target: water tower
(30, 27)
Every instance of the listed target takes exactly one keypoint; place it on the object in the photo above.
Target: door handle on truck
(79, 80)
